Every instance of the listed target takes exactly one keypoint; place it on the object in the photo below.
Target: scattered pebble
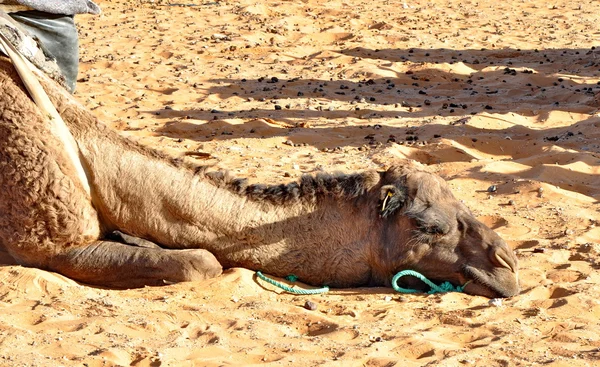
(311, 306)
(492, 188)
(387, 298)
(220, 37)
(496, 302)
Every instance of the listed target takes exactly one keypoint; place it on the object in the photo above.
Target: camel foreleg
(118, 265)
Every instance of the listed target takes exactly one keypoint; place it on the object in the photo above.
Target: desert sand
(498, 97)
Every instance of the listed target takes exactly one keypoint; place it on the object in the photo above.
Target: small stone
(492, 188)
(220, 37)
(288, 142)
(511, 202)
(539, 250)
(387, 298)
(277, 107)
(496, 302)
(311, 306)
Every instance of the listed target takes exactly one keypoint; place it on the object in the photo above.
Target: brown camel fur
(342, 230)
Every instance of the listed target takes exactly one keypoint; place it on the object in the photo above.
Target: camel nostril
(502, 259)
(503, 262)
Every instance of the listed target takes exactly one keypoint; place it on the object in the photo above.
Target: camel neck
(319, 228)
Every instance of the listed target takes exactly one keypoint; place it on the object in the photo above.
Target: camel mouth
(475, 288)
(479, 283)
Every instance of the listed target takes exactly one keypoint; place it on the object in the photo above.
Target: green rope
(442, 288)
(289, 289)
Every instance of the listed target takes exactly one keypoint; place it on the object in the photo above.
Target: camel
(184, 222)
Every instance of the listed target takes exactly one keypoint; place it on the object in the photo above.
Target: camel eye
(433, 228)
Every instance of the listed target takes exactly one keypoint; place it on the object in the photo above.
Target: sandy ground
(487, 93)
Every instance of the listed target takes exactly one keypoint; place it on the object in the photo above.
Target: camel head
(427, 230)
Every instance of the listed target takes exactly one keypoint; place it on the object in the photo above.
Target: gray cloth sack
(67, 7)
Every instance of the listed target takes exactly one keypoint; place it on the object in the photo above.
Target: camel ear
(391, 199)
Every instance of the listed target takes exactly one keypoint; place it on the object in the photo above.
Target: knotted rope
(442, 288)
(289, 289)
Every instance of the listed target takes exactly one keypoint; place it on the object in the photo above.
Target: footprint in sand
(36, 282)
(415, 349)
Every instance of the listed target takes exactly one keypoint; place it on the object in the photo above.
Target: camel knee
(199, 264)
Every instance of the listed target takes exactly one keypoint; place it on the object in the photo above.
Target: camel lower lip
(478, 289)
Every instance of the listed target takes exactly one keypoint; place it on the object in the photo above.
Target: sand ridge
(488, 93)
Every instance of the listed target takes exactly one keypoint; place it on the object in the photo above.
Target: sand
(487, 93)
